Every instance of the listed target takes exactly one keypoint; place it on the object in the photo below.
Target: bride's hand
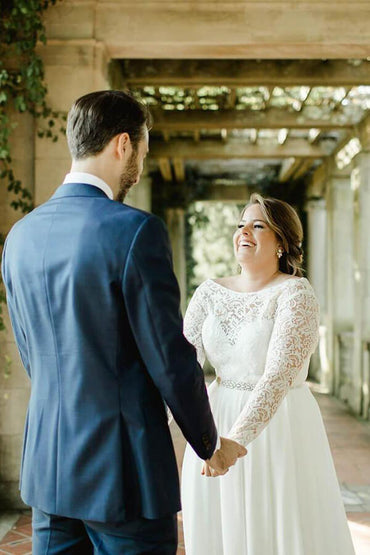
(210, 472)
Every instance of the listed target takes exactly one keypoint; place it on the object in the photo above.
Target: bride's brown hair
(285, 222)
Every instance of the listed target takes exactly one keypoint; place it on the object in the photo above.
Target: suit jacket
(94, 305)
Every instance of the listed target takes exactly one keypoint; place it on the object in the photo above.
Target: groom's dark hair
(97, 117)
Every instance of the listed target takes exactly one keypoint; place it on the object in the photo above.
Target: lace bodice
(264, 338)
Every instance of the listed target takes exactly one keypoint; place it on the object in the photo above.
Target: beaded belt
(231, 384)
(246, 386)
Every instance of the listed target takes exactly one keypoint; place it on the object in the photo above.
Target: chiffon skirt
(283, 498)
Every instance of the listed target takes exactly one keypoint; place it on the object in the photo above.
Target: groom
(94, 306)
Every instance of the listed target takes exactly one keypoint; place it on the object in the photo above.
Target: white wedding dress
(283, 498)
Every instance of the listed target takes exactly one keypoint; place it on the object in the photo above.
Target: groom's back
(63, 267)
(66, 261)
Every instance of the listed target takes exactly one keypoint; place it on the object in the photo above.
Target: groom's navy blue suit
(94, 306)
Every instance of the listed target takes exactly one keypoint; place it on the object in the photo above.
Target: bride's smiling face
(254, 241)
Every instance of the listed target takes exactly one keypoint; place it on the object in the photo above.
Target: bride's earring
(280, 252)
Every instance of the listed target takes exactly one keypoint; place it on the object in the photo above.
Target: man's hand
(223, 458)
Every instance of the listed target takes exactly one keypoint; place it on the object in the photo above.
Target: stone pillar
(341, 289)
(360, 180)
(72, 69)
(14, 383)
(317, 274)
(22, 146)
(176, 227)
(140, 196)
(342, 252)
(317, 247)
(339, 263)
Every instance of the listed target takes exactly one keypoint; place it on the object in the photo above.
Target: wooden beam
(183, 29)
(288, 167)
(234, 149)
(226, 193)
(245, 73)
(364, 132)
(303, 169)
(232, 99)
(273, 118)
(165, 168)
(254, 136)
(179, 168)
(282, 136)
(314, 135)
(317, 181)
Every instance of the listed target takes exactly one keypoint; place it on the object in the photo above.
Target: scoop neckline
(259, 290)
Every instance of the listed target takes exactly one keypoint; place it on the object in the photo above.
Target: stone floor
(350, 443)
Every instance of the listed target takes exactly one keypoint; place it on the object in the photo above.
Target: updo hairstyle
(285, 222)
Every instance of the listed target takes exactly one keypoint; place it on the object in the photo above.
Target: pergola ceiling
(243, 119)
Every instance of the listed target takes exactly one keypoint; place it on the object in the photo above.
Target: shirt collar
(89, 179)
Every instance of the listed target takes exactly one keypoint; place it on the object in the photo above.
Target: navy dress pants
(54, 535)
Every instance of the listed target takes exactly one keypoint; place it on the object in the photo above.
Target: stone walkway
(350, 443)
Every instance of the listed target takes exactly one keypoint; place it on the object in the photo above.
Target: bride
(259, 329)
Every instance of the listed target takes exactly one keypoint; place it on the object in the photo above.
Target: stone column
(14, 384)
(341, 296)
(317, 274)
(361, 216)
(342, 251)
(140, 196)
(317, 247)
(22, 146)
(72, 69)
(175, 218)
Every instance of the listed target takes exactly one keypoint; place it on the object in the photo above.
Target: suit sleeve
(152, 301)
(19, 335)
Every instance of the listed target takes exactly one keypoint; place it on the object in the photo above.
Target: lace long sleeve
(293, 340)
(194, 318)
(193, 322)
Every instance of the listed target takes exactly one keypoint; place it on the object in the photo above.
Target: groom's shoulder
(133, 222)
(128, 216)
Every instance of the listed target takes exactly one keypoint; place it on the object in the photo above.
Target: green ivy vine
(22, 84)
(22, 89)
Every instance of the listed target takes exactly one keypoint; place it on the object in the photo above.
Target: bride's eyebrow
(256, 220)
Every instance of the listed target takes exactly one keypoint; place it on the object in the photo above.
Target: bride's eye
(258, 226)
(240, 226)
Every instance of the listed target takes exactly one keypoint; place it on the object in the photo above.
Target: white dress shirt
(89, 179)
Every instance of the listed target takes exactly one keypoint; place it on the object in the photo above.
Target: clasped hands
(220, 462)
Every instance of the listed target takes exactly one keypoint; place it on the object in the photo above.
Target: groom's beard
(128, 177)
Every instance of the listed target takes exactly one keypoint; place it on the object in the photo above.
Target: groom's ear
(123, 145)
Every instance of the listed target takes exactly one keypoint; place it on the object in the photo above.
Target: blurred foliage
(209, 241)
